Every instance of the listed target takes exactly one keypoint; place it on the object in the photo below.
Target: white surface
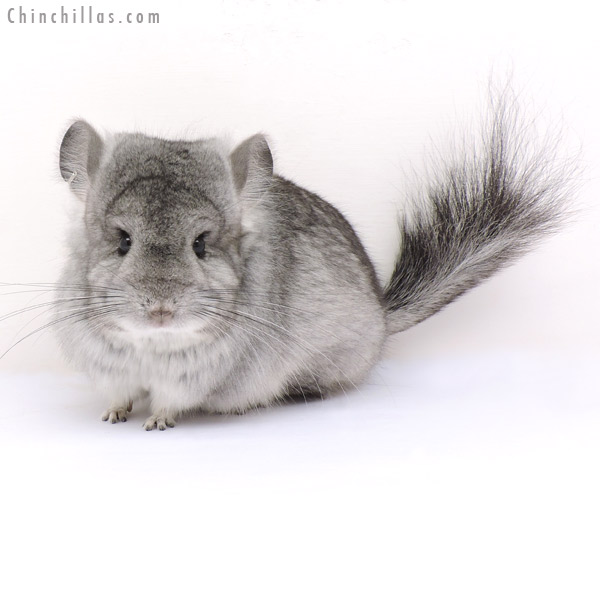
(471, 477)
(467, 468)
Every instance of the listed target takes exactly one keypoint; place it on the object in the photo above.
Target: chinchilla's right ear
(252, 165)
(80, 155)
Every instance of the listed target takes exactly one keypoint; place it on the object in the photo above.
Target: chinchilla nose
(161, 313)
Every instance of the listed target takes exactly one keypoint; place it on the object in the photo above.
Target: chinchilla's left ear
(252, 165)
(80, 155)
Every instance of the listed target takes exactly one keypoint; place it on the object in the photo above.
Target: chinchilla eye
(199, 246)
(124, 244)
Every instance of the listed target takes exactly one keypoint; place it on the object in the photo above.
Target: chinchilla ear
(252, 164)
(80, 155)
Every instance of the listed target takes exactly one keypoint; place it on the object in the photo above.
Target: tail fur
(477, 216)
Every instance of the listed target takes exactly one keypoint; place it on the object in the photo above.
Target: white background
(466, 466)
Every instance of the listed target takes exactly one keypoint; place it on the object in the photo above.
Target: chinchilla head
(160, 241)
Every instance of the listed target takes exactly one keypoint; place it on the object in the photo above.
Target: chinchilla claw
(158, 422)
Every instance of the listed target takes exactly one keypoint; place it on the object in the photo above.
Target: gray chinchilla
(200, 279)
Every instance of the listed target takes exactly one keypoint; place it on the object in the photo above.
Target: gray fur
(285, 302)
(477, 215)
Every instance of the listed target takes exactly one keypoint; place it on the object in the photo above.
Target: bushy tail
(477, 216)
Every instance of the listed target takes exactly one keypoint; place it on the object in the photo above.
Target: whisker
(253, 332)
(71, 310)
(57, 321)
(299, 314)
(60, 286)
(50, 303)
(306, 346)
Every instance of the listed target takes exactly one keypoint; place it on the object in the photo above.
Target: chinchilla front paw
(158, 422)
(116, 413)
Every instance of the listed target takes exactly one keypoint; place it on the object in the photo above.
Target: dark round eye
(124, 244)
(199, 246)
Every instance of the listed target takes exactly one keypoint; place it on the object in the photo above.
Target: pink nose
(161, 315)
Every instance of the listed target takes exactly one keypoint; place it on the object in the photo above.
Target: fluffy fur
(285, 301)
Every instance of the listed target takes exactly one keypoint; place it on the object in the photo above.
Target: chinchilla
(199, 279)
